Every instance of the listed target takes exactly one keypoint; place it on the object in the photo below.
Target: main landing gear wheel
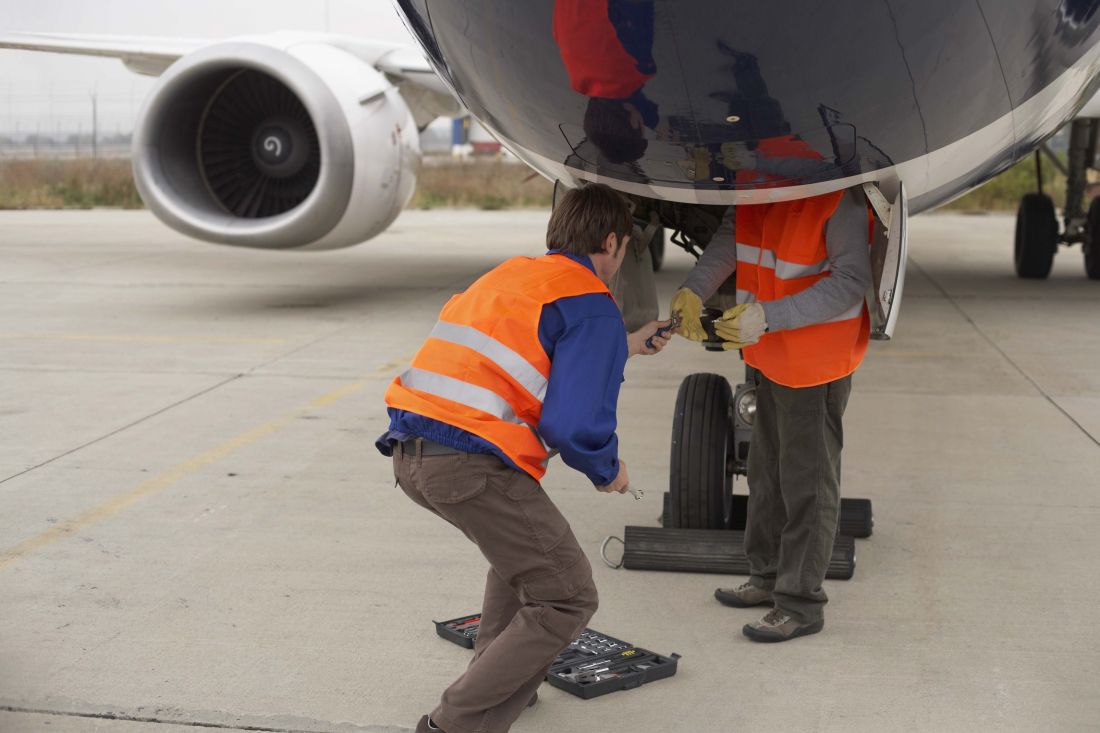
(1091, 245)
(701, 486)
(1036, 236)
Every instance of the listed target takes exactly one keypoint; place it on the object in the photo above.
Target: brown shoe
(425, 726)
(744, 596)
(777, 625)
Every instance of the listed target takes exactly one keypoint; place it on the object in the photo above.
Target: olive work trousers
(539, 593)
(794, 491)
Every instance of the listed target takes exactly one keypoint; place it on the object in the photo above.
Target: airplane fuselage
(716, 102)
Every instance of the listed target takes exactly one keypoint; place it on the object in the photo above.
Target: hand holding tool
(664, 331)
(621, 484)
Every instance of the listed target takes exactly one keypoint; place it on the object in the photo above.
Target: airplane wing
(407, 68)
(143, 55)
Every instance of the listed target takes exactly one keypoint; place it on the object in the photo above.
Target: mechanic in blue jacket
(486, 402)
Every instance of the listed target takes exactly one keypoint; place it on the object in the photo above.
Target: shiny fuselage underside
(743, 102)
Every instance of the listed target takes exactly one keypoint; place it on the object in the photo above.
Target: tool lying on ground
(593, 665)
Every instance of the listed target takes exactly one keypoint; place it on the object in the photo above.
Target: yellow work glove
(741, 325)
(689, 307)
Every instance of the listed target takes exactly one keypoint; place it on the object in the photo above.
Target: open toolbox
(593, 665)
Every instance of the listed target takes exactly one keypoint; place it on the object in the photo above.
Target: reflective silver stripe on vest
(790, 270)
(515, 365)
(755, 256)
(784, 270)
(461, 392)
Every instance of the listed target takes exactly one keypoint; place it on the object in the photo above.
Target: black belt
(427, 447)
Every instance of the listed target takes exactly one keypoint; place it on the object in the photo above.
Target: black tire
(1036, 236)
(700, 488)
(1091, 245)
(657, 249)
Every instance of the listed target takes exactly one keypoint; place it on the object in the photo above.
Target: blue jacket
(585, 339)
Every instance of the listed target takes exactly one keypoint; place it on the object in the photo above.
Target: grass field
(484, 184)
(67, 184)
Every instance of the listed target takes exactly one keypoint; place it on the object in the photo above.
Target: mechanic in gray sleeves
(802, 270)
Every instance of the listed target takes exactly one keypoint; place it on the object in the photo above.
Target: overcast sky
(51, 92)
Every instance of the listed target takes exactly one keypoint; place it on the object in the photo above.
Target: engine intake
(258, 148)
(247, 145)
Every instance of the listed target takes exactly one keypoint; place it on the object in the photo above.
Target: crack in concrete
(310, 725)
(124, 428)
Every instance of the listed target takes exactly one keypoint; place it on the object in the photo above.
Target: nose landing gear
(711, 434)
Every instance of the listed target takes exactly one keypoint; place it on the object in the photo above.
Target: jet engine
(276, 144)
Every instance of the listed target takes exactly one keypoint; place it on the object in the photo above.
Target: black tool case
(461, 631)
(593, 665)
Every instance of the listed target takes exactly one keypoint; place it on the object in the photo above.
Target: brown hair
(584, 217)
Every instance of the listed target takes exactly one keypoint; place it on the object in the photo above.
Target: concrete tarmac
(197, 531)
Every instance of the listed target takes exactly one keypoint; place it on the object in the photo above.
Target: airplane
(262, 141)
(686, 108)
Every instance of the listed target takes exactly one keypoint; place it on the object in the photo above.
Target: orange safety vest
(781, 251)
(483, 368)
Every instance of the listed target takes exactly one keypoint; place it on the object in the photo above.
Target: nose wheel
(701, 486)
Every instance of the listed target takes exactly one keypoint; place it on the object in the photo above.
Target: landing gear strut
(1037, 230)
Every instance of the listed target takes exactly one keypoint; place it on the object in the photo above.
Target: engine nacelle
(276, 144)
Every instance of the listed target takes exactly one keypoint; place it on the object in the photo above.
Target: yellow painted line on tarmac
(158, 483)
(136, 338)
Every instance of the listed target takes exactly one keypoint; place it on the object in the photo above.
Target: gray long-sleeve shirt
(846, 285)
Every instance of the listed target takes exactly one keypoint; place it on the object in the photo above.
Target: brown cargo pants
(539, 593)
(794, 491)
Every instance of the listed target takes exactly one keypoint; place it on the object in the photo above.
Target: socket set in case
(593, 665)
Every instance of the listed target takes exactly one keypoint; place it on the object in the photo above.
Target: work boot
(426, 726)
(778, 625)
(744, 596)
